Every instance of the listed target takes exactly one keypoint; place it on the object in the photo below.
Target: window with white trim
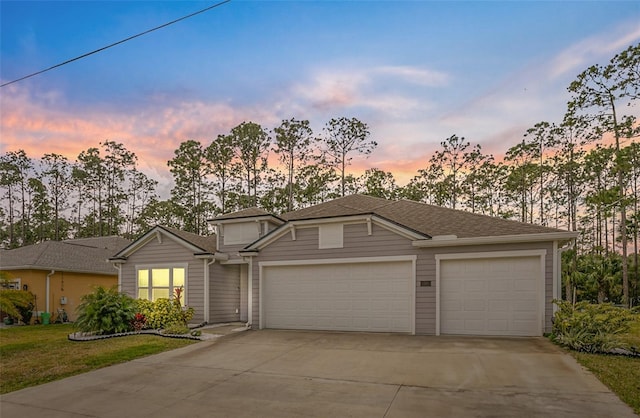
(330, 236)
(160, 282)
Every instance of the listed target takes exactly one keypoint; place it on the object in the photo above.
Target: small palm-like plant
(105, 311)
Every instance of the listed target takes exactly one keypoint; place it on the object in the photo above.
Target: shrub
(591, 328)
(105, 311)
(139, 321)
(16, 303)
(144, 307)
(164, 312)
(177, 328)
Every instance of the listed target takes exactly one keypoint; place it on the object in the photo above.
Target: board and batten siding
(224, 293)
(383, 242)
(165, 253)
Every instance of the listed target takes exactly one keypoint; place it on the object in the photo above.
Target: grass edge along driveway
(620, 374)
(37, 354)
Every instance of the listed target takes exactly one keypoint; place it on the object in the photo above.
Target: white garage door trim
(495, 254)
(411, 258)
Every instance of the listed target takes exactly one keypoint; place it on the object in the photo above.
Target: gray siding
(224, 293)
(357, 243)
(382, 242)
(168, 252)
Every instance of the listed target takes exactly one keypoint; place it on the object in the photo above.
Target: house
(59, 273)
(358, 263)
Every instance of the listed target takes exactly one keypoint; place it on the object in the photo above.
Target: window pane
(160, 293)
(143, 278)
(160, 277)
(178, 277)
(143, 293)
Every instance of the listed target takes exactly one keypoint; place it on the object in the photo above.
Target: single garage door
(491, 296)
(371, 296)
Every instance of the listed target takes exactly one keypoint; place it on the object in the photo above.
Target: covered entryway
(491, 295)
(339, 295)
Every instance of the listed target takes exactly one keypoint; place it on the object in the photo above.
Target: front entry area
(369, 296)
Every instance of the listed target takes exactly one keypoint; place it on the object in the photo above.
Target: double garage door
(367, 296)
(477, 296)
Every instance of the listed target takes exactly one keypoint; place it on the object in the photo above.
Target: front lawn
(620, 374)
(32, 355)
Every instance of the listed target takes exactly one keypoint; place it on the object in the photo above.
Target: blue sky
(417, 72)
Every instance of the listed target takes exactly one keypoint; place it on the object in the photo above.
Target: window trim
(170, 266)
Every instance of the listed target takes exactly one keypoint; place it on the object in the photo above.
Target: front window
(160, 282)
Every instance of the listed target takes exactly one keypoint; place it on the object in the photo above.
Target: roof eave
(497, 239)
(212, 256)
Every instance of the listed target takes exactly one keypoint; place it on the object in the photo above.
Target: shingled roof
(426, 219)
(84, 255)
(206, 243)
(244, 213)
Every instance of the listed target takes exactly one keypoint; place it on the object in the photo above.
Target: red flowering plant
(138, 322)
(186, 313)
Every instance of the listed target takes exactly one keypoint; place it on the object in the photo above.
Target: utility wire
(116, 43)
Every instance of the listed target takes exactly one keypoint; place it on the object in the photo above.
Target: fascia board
(497, 239)
(259, 218)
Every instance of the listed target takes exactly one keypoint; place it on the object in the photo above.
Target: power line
(116, 43)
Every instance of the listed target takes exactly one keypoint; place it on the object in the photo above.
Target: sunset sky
(417, 72)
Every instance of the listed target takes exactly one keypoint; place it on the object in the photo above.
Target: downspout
(47, 287)
(119, 268)
(207, 302)
(249, 292)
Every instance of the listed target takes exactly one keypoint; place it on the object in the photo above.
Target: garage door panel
(493, 296)
(351, 296)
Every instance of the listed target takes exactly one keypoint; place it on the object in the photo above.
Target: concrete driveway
(291, 373)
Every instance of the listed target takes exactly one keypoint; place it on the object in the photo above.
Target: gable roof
(200, 245)
(83, 255)
(429, 220)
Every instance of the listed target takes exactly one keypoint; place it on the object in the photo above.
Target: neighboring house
(59, 273)
(358, 263)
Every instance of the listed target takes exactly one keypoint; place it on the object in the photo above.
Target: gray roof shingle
(244, 213)
(84, 255)
(426, 219)
(206, 243)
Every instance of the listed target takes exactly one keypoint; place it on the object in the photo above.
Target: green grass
(620, 374)
(37, 354)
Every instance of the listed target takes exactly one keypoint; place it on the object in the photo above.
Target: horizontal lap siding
(165, 253)
(357, 244)
(224, 293)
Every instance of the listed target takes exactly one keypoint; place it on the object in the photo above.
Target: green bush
(164, 312)
(177, 328)
(16, 303)
(105, 311)
(145, 307)
(591, 328)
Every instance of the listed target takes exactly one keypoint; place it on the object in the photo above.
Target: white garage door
(344, 297)
(491, 296)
